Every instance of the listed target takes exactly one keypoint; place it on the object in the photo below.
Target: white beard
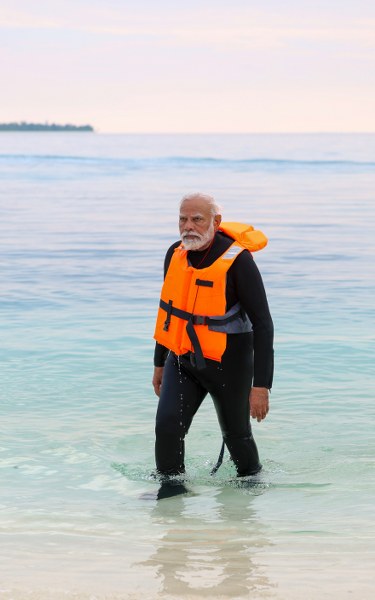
(198, 240)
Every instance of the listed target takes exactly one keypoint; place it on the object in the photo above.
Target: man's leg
(233, 415)
(180, 397)
(230, 387)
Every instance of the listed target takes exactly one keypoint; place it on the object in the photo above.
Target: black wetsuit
(247, 361)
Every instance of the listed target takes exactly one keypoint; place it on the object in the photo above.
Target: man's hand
(157, 379)
(259, 403)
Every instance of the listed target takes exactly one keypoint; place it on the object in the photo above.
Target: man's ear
(217, 221)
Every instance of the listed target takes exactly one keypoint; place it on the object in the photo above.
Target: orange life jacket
(192, 313)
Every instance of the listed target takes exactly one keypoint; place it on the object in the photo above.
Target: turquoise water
(85, 222)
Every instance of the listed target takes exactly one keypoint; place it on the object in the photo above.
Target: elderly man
(214, 335)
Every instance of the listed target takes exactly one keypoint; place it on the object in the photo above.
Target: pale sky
(196, 66)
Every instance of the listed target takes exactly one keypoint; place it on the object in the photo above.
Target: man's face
(197, 224)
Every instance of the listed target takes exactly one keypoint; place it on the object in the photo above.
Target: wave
(187, 161)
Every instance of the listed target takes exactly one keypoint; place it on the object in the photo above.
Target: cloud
(220, 28)
(128, 68)
(22, 20)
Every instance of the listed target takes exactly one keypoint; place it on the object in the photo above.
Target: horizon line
(270, 132)
(320, 132)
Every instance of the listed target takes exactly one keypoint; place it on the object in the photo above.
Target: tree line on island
(24, 126)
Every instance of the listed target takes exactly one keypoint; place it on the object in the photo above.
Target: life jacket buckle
(199, 320)
(167, 321)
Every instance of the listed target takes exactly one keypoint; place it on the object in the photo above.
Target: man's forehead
(196, 208)
(192, 213)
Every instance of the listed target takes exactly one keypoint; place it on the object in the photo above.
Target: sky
(197, 66)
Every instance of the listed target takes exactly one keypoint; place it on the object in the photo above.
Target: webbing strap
(169, 313)
(197, 320)
(229, 316)
(199, 358)
(219, 460)
(177, 312)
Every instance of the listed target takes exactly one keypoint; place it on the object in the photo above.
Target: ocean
(85, 222)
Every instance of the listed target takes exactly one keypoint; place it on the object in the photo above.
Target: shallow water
(85, 222)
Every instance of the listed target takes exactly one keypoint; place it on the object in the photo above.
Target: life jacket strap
(199, 358)
(168, 309)
(218, 320)
(192, 319)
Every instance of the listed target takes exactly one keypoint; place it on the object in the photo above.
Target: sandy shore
(39, 567)
(54, 593)
(283, 577)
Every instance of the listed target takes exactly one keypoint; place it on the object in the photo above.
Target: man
(214, 334)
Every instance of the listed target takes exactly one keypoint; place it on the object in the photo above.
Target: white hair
(214, 207)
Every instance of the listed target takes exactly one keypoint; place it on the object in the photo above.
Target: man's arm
(157, 379)
(252, 296)
(253, 299)
(161, 352)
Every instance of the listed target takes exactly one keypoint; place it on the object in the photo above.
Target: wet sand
(75, 568)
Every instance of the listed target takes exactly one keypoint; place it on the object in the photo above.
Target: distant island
(23, 126)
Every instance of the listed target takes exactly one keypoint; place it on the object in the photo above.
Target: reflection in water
(209, 545)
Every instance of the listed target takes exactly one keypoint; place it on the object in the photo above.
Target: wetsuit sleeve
(252, 296)
(160, 355)
(161, 352)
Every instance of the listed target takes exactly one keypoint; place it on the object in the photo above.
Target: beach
(85, 224)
